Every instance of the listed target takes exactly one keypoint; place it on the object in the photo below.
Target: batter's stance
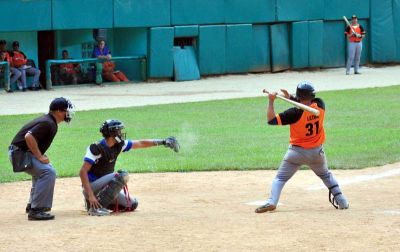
(306, 138)
(103, 188)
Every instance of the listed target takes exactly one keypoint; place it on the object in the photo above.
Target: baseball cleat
(44, 209)
(98, 212)
(38, 215)
(265, 208)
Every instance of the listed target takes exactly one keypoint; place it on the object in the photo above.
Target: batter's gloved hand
(172, 143)
(359, 35)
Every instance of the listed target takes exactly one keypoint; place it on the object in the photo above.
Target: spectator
(20, 61)
(69, 73)
(5, 56)
(101, 51)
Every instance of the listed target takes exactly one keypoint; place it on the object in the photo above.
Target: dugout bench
(98, 69)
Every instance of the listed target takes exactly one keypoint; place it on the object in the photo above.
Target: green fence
(228, 36)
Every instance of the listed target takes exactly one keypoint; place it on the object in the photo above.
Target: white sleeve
(127, 145)
(90, 157)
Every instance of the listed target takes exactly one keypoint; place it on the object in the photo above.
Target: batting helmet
(63, 104)
(113, 128)
(305, 91)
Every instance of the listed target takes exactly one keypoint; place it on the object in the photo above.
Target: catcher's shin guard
(110, 192)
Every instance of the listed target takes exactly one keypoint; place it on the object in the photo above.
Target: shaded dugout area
(184, 40)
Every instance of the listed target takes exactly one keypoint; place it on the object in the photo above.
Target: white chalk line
(389, 212)
(359, 179)
(348, 181)
(259, 203)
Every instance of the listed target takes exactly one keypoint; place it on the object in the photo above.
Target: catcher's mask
(63, 104)
(113, 128)
(305, 91)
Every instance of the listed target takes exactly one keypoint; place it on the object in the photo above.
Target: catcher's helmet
(112, 128)
(63, 104)
(305, 91)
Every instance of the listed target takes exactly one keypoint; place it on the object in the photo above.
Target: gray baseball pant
(102, 182)
(43, 182)
(15, 74)
(354, 54)
(32, 71)
(295, 157)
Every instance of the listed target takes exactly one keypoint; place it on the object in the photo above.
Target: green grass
(362, 128)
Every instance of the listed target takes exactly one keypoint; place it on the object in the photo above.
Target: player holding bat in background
(103, 188)
(355, 33)
(307, 136)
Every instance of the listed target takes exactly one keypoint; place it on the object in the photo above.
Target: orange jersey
(19, 58)
(357, 29)
(306, 129)
(68, 68)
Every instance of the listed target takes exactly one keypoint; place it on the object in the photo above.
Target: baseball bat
(297, 104)
(348, 23)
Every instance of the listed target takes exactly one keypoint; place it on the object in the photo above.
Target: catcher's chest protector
(106, 163)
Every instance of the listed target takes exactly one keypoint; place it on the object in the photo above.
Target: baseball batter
(307, 136)
(103, 188)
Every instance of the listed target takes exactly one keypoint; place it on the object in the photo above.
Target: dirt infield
(213, 211)
(210, 211)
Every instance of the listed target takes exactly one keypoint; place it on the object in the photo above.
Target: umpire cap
(63, 104)
(59, 104)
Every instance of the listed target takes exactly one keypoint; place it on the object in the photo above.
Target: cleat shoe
(266, 208)
(43, 209)
(37, 214)
(342, 202)
(98, 212)
(357, 73)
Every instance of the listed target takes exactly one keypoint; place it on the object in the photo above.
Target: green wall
(160, 52)
(27, 43)
(184, 12)
(336, 9)
(231, 36)
(298, 10)
(141, 13)
(238, 49)
(334, 44)
(81, 14)
(261, 61)
(72, 40)
(23, 15)
(212, 49)
(128, 42)
(280, 47)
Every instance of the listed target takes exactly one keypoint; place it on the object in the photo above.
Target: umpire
(27, 154)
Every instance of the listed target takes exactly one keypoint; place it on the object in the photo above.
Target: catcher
(104, 189)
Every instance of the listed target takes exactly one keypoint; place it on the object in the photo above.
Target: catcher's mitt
(172, 143)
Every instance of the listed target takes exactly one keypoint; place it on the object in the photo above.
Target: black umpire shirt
(43, 129)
